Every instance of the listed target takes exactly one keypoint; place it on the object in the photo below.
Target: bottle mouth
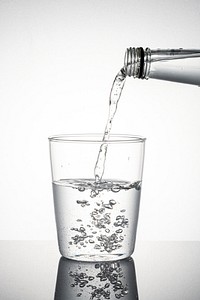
(134, 62)
(137, 62)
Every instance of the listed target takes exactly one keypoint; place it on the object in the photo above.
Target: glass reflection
(96, 280)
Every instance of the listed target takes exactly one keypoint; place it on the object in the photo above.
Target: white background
(57, 62)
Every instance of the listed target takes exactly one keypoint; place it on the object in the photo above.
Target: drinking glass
(96, 220)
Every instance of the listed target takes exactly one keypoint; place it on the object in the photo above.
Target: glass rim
(96, 138)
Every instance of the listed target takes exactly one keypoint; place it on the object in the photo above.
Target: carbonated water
(96, 219)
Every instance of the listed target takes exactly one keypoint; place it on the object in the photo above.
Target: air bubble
(90, 278)
(116, 188)
(97, 247)
(108, 206)
(112, 202)
(83, 203)
(119, 231)
(81, 189)
(79, 295)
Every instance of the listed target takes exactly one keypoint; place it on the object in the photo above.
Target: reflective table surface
(34, 270)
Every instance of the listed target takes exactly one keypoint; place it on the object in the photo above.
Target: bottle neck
(145, 63)
(137, 62)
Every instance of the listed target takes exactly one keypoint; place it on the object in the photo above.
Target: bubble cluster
(80, 238)
(99, 218)
(106, 222)
(109, 243)
(121, 221)
(95, 187)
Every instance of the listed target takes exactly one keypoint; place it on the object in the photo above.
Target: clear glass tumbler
(96, 219)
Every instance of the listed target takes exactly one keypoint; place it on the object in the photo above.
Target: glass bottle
(178, 65)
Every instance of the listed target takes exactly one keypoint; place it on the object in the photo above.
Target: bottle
(178, 65)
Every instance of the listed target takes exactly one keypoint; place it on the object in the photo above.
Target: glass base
(98, 258)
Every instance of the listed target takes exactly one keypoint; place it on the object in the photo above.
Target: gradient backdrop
(58, 59)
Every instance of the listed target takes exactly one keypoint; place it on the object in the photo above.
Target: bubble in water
(101, 224)
(116, 188)
(83, 203)
(79, 295)
(112, 202)
(119, 231)
(109, 243)
(97, 247)
(79, 239)
(110, 205)
(99, 219)
(121, 221)
(81, 188)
